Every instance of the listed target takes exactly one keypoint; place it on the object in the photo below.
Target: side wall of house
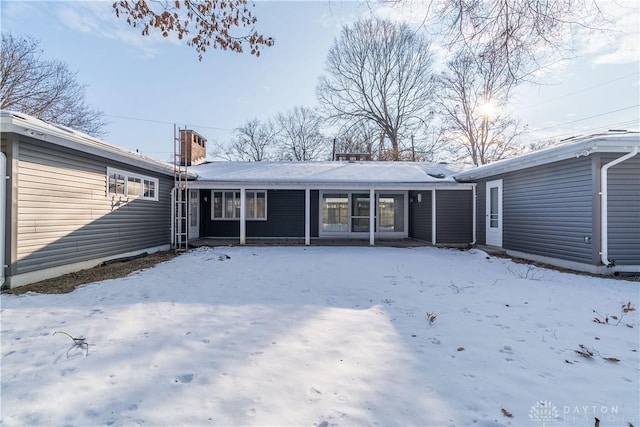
(547, 210)
(6, 145)
(624, 210)
(454, 216)
(420, 215)
(65, 215)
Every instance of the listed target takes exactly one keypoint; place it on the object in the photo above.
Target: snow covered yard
(323, 336)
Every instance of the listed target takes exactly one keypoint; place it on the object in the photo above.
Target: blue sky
(146, 84)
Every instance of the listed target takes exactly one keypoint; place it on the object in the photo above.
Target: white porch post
(307, 218)
(474, 196)
(433, 216)
(243, 216)
(372, 216)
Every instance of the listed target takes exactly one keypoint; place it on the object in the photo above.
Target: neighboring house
(576, 205)
(330, 200)
(72, 201)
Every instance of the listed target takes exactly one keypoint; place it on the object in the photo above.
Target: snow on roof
(313, 172)
(61, 135)
(609, 142)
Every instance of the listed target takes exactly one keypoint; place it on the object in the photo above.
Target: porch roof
(321, 174)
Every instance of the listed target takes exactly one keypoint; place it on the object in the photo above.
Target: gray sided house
(341, 200)
(71, 201)
(576, 205)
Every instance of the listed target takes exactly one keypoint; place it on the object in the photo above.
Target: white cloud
(98, 19)
(621, 43)
(415, 12)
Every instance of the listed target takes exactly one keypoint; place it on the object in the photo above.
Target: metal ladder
(180, 195)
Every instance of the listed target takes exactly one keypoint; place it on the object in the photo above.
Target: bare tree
(299, 134)
(359, 137)
(525, 32)
(215, 23)
(42, 88)
(380, 72)
(473, 92)
(254, 142)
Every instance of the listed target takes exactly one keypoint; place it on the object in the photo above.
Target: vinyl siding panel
(65, 215)
(547, 210)
(454, 216)
(315, 213)
(420, 216)
(624, 210)
(285, 216)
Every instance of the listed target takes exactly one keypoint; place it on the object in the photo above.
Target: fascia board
(599, 144)
(39, 130)
(257, 185)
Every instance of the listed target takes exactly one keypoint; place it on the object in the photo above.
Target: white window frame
(236, 196)
(144, 179)
(349, 233)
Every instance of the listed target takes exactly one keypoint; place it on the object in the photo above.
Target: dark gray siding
(285, 215)
(624, 210)
(547, 210)
(420, 215)
(6, 144)
(454, 216)
(285, 218)
(64, 214)
(315, 212)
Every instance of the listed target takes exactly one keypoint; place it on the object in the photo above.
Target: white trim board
(48, 273)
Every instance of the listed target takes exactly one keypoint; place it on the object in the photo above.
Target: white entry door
(494, 213)
(194, 214)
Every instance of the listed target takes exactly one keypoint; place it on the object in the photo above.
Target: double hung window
(226, 205)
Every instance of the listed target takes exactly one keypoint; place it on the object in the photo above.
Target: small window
(150, 189)
(116, 183)
(134, 186)
(129, 184)
(226, 205)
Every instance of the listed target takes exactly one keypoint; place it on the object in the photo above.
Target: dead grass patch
(68, 282)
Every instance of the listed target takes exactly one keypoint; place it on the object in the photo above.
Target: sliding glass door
(360, 213)
(347, 214)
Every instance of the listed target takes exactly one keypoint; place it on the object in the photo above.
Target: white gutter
(433, 217)
(3, 202)
(173, 217)
(604, 205)
(474, 237)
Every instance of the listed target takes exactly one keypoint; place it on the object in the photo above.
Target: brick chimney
(193, 148)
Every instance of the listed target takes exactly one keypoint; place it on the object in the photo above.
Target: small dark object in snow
(77, 342)
(507, 305)
(488, 257)
(597, 423)
(460, 349)
(414, 336)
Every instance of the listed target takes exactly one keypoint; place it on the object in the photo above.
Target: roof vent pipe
(604, 205)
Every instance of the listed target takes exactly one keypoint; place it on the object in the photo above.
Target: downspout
(173, 217)
(604, 205)
(434, 222)
(473, 226)
(3, 202)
